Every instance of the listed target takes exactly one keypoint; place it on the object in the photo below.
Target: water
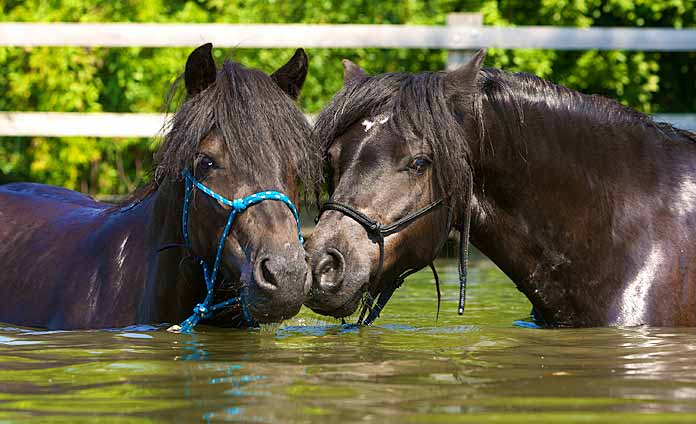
(408, 368)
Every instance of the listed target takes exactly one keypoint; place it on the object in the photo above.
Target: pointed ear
(352, 73)
(462, 79)
(200, 70)
(291, 76)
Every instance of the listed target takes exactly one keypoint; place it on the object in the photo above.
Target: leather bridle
(379, 231)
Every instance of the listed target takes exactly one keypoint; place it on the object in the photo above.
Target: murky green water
(408, 368)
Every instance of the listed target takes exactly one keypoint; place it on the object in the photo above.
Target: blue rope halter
(206, 309)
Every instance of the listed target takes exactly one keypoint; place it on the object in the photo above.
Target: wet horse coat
(588, 206)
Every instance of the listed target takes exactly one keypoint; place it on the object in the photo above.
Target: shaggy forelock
(420, 112)
(259, 124)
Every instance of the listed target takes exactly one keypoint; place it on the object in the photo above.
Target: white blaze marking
(368, 124)
(634, 302)
(381, 119)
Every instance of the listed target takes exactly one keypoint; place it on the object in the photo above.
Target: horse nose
(329, 270)
(273, 272)
(268, 273)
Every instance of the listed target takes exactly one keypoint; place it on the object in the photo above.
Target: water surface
(407, 368)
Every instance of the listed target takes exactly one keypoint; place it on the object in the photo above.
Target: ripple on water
(408, 367)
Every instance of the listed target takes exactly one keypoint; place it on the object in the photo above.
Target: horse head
(397, 160)
(234, 157)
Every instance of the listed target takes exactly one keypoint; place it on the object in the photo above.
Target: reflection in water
(195, 348)
(408, 367)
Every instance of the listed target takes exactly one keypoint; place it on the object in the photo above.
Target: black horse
(70, 262)
(587, 205)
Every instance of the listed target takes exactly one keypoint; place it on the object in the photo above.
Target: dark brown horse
(68, 261)
(588, 206)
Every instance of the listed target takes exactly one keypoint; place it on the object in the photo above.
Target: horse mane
(511, 92)
(419, 111)
(257, 121)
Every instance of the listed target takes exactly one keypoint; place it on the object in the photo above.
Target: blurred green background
(137, 79)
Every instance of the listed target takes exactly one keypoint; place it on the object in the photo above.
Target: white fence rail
(463, 33)
(451, 37)
(63, 124)
(56, 124)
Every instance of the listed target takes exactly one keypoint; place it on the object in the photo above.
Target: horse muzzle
(338, 279)
(279, 286)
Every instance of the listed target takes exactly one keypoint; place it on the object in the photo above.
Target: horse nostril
(264, 276)
(330, 270)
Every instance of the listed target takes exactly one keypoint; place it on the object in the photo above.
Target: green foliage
(137, 79)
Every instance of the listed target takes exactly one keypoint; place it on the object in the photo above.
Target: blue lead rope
(206, 309)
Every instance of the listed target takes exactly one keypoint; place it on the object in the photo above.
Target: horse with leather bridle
(587, 205)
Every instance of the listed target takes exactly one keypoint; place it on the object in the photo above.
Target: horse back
(56, 253)
(25, 207)
(32, 192)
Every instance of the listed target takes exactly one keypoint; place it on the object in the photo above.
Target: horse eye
(419, 164)
(205, 164)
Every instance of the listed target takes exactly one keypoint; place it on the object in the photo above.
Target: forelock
(260, 125)
(419, 110)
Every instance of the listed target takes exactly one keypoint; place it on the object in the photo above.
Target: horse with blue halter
(213, 237)
(587, 205)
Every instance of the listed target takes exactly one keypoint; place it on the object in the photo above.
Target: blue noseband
(206, 309)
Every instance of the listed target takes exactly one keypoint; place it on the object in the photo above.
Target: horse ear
(463, 78)
(291, 76)
(200, 69)
(352, 73)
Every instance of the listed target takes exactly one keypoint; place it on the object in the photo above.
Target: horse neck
(168, 294)
(552, 194)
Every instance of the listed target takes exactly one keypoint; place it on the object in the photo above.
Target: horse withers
(587, 205)
(70, 262)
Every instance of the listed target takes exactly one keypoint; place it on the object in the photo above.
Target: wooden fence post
(456, 58)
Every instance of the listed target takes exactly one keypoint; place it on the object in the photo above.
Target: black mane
(511, 92)
(257, 121)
